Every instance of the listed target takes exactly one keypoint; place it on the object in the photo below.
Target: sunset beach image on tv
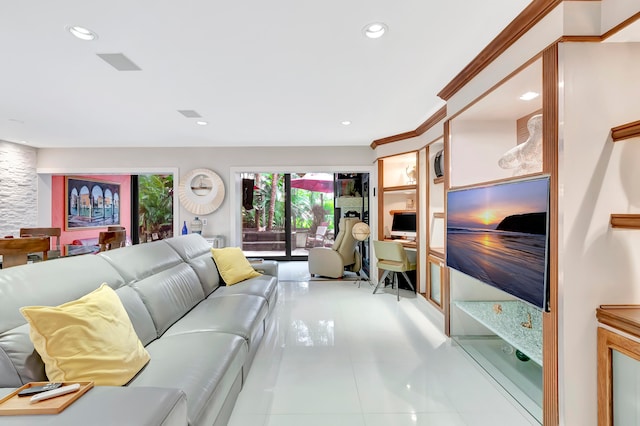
(498, 234)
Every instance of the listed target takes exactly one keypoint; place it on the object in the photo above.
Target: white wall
(18, 188)
(598, 265)
(220, 160)
(616, 11)
(476, 148)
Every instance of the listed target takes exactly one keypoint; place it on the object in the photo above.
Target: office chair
(393, 260)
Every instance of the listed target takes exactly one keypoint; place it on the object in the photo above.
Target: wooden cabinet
(399, 182)
(485, 145)
(618, 364)
(435, 276)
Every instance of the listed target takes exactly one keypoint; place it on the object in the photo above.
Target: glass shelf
(508, 323)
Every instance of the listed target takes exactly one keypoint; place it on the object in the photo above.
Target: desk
(409, 245)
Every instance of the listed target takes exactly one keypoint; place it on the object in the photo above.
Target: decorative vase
(185, 231)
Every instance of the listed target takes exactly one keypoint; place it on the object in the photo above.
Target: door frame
(44, 181)
(235, 193)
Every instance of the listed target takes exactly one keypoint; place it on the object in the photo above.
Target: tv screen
(404, 224)
(499, 235)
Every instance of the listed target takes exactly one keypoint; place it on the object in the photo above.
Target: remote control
(55, 392)
(37, 389)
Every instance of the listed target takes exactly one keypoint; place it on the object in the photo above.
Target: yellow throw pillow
(233, 265)
(88, 339)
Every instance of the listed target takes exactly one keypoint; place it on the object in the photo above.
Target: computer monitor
(404, 225)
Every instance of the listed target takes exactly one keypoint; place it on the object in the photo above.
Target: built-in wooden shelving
(622, 317)
(438, 215)
(437, 252)
(438, 180)
(392, 212)
(399, 188)
(627, 221)
(626, 131)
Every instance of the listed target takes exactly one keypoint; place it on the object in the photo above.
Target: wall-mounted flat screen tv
(499, 235)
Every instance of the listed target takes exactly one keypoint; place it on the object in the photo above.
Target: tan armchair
(332, 261)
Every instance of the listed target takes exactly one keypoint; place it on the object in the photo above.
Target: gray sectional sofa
(201, 335)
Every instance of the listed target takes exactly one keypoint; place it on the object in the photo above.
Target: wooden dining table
(14, 251)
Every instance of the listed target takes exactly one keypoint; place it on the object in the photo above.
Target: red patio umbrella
(317, 182)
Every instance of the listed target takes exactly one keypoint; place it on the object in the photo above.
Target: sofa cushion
(264, 286)
(203, 365)
(241, 315)
(233, 265)
(88, 339)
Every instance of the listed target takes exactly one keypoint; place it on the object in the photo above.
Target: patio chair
(317, 239)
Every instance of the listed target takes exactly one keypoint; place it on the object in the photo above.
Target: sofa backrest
(47, 283)
(157, 283)
(167, 285)
(196, 251)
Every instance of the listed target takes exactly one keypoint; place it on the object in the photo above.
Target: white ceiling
(277, 73)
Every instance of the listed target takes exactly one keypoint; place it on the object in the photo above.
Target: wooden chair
(109, 240)
(14, 251)
(44, 232)
(115, 228)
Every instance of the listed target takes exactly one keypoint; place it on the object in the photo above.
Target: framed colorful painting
(91, 203)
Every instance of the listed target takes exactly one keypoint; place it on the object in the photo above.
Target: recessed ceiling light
(529, 95)
(82, 33)
(346, 123)
(201, 123)
(375, 30)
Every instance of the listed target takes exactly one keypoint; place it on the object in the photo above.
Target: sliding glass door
(152, 207)
(285, 214)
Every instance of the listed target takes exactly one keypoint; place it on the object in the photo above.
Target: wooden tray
(13, 404)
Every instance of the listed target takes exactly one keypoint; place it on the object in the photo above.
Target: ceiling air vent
(189, 113)
(119, 61)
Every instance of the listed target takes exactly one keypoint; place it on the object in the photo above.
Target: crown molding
(428, 123)
(529, 17)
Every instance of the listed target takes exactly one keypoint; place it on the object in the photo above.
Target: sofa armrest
(110, 405)
(266, 267)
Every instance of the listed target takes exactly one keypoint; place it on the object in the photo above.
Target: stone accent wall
(18, 188)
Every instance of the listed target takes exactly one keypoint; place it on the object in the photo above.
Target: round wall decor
(438, 163)
(201, 191)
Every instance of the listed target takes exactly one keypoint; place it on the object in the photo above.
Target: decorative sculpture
(527, 323)
(527, 157)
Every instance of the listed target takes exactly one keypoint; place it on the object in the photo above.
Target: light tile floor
(337, 355)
